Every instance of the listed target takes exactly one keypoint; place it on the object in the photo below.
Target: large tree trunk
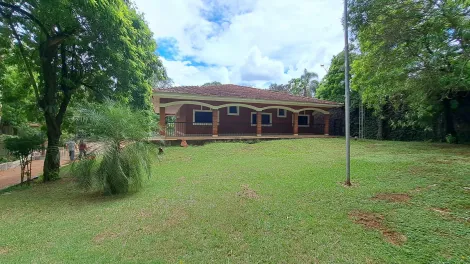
(52, 161)
(449, 118)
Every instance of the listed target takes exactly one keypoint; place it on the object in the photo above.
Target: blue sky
(248, 42)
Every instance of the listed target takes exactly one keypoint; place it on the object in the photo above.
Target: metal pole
(346, 93)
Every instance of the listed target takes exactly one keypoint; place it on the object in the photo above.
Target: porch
(237, 112)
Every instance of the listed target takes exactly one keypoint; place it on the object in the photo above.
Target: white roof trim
(242, 100)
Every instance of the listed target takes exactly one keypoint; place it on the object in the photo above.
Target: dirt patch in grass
(4, 250)
(419, 189)
(247, 192)
(442, 211)
(145, 213)
(177, 216)
(392, 197)
(104, 236)
(376, 222)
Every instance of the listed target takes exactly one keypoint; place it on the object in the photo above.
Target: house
(232, 110)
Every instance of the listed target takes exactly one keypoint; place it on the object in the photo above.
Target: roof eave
(239, 99)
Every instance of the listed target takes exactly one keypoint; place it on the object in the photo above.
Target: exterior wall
(241, 124)
(260, 105)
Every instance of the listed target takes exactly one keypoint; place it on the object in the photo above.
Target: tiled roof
(237, 91)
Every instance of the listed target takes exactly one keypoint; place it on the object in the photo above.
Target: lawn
(271, 202)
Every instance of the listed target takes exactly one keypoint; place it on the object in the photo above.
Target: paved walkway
(13, 176)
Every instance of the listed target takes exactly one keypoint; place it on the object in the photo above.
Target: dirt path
(12, 176)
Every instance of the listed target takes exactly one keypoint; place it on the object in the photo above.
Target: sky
(244, 42)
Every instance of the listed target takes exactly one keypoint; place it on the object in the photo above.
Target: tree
(279, 87)
(127, 156)
(79, 48)
(23, 146)
(159, 83)
(305, 85)
(309, 83)
(331, 87)
(414, 57)
(212, 84)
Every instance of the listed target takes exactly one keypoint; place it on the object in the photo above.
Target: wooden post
(215, 123)
(326, 128)
(162, 121)
(258, 124)
(296, 124)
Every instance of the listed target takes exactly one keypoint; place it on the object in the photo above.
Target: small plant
(127, 157)
(451, 139)
(23, 146)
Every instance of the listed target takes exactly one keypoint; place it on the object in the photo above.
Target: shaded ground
(269, 202)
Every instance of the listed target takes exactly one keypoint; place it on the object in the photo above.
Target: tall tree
(103, 48)
(414, 53)
(309, 83)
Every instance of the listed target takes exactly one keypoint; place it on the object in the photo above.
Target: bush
(451, 139)
(22, 147)
(127, 156)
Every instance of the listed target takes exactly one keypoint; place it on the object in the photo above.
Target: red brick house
(233, 110)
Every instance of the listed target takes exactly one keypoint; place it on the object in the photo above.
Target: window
(202, 117)
(233, 110)
(304, 120)
(281, 113)
(266, 119)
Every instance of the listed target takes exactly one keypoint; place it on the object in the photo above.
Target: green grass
(270, 202)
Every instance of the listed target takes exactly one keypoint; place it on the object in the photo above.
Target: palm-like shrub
(126, 157)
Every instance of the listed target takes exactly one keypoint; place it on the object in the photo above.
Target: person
(82, 148)
(71, 146)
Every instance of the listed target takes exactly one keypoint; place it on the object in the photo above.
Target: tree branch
(28, 15)
(23, 55)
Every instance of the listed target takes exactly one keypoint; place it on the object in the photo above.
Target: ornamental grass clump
(125, 157)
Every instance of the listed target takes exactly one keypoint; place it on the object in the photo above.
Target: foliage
(212, 83)
(413, 57)
(83, 49)
(22, 147)
(158, 82)
(331, 87)
(18, 104)
(199, 207)
(451, 139)
(27, 141)
(305, 85)
(126, 155)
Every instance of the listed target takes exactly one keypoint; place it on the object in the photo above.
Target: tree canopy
(212, 83)
(79, 49)
(413, 55)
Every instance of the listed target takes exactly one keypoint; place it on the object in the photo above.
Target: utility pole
(346, 93)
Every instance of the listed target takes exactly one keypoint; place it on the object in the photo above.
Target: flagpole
(346, 94)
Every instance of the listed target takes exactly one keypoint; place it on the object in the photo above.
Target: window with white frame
(233, 110)
(266, 119)
(281, 112)
(304, 120)
(202, 117)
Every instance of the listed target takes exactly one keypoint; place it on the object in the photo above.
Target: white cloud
(259, 68)
(253, 41)
(183, 73)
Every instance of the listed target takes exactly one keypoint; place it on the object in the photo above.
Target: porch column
(215, 123)
(296, 124)
(258, 124)
(162, 121)
(327, 125)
